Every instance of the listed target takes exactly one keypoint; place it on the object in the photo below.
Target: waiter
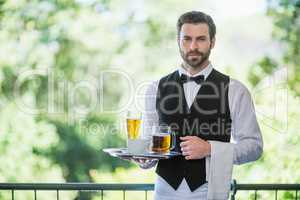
(201, 105)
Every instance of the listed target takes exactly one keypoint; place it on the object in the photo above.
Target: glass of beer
(163, 139)
(133, 122)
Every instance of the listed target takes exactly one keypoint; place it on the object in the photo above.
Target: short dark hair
(196, 17)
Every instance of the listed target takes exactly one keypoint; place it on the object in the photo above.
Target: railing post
(146, 196)
(233, 189)
(34, 194)
(12, 195)
(57, 194)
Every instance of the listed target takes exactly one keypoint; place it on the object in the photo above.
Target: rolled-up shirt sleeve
(246, 134)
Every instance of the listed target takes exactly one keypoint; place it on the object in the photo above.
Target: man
(201, 105)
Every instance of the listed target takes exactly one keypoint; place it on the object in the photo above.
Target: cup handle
(173, 141)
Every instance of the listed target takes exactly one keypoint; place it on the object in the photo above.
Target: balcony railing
(102, 188)
(265, 187)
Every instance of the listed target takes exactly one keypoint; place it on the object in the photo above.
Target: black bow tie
(198, 79)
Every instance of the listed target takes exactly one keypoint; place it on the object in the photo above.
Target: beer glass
(133, 122)
(163, 139)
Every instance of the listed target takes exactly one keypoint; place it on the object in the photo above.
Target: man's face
(195, 43)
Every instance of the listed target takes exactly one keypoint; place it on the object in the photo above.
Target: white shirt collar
(206, 71)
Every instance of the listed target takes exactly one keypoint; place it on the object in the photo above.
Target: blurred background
(70, 68)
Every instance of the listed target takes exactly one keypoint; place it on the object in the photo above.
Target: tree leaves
(287, 31)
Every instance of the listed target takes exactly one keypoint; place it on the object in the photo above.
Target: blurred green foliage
(53, 126)
(48, 48)
(279, 162)
(286, 30)
(51, 45)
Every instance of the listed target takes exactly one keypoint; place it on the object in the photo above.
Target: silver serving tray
(124, 154)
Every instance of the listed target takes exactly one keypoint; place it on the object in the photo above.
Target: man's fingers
(184, 144)
(185, 148)
(142, 160)
(185, 138)
(189, 157)
(185, 153)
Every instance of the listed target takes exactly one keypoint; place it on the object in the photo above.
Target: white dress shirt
(245, 131)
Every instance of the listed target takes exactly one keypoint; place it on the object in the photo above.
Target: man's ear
(212, 43)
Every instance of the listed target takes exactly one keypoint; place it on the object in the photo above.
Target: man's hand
(193, 147)
(143, 162)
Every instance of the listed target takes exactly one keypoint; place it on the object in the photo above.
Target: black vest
(207, 118)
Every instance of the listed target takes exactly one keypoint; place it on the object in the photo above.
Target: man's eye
(202, 39)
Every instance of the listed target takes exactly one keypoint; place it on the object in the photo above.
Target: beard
(198, 57)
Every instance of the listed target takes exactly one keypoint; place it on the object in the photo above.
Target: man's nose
(193, 45)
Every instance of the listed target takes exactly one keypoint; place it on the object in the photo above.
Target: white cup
(138, 146)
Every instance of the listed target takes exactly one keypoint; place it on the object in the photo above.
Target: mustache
(196, 52)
